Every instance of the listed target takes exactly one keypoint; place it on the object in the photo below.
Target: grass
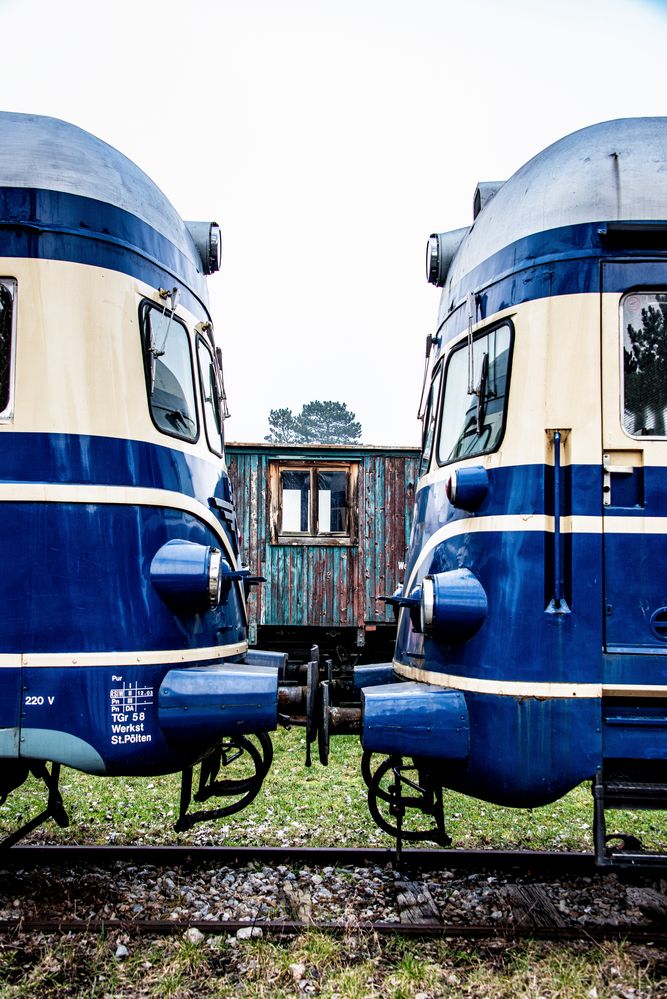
(354, 967)
(319, 807)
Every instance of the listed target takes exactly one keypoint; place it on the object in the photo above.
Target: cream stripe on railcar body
(532, 690)
(79, 363)
(517, 523)
(140, 657)
(501, 523)
(548, 391)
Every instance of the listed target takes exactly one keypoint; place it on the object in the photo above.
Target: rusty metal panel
(322, 584)
(245, 472)
(388, 511)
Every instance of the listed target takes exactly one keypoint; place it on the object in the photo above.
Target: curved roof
(49, 154)
(613, 171)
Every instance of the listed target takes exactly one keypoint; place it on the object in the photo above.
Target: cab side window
(644, 325)
(208, 381)
(169, 374)
(7, 346)
(429, 421)
(475, 395)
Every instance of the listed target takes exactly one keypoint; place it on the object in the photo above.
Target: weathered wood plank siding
(326, 585)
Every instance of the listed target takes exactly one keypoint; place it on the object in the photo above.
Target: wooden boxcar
(328, 526)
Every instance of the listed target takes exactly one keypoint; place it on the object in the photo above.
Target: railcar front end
(123, 646)
(532, 638)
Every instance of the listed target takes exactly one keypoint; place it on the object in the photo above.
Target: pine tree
(282, 427)
(318, 423)
(327, 422)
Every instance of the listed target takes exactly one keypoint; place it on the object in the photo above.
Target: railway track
(515, 894)
(556, 863)
(288, 928)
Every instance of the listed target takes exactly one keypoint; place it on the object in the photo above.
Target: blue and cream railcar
(532, 640)
(122, 625)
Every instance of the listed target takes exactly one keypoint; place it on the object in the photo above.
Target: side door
(634, 460)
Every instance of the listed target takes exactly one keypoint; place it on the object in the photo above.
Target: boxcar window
(7, 294)
(644, 323)
(332, 502)
(295, 502)
(208, 380)
(473, 409)
(171, 389)
(313, 504)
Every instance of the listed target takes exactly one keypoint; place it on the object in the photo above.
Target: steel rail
(528, 861)
(279, 927)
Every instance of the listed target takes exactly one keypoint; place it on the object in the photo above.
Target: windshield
(171, 383)
(472, 422)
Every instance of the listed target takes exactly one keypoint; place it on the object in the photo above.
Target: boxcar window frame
(644, 406)
(314, 508)
(145, 308)
(462, 347)
(210, 405)
(8, 291)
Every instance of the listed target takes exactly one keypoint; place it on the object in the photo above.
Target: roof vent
(206, 237)
(486, 189)
(440, 251)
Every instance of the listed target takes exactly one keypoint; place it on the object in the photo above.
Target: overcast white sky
(328, 140)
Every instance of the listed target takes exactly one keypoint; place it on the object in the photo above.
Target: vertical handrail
(558, 574)
(558, 603)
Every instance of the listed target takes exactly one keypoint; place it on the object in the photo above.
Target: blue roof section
(49, 154)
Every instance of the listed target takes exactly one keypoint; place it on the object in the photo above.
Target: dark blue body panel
(526, 751)
(104, 721)
(564, 261)
(516, 601)
(111, 461)
(635, 731)
(629, 609)
(78, 580)
(10, 697)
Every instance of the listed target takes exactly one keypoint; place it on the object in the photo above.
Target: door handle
(612, 466)
(619, 469)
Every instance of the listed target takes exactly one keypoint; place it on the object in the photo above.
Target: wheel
(390, 799)
(248, 758)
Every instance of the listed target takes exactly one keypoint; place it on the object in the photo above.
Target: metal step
(618, 787)
(632, 794)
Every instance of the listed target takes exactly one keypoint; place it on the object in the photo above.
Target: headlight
(453, 606)
(214, 576)
(467, 487)
(208, 241)
(427, 604)
(188, 576)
